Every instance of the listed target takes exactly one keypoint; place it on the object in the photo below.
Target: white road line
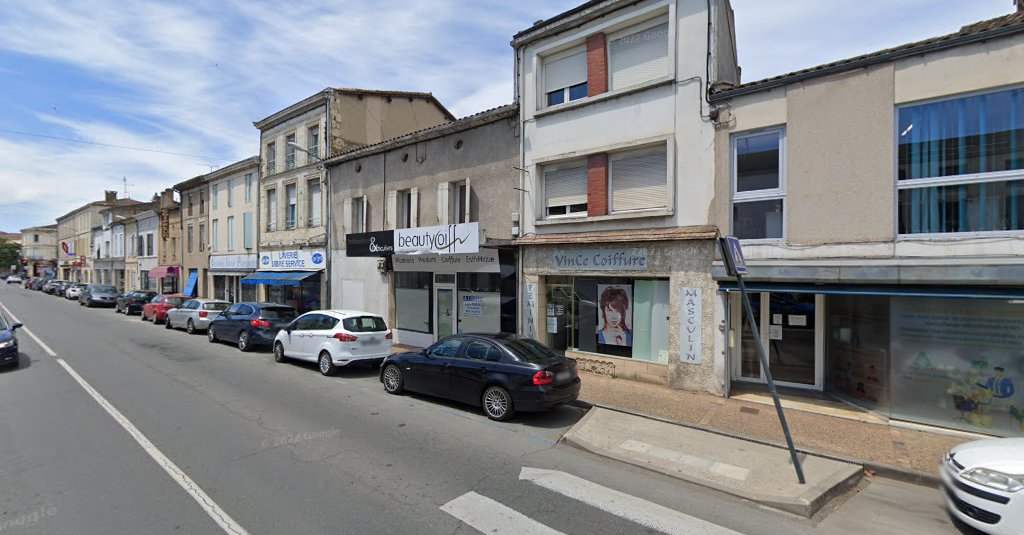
(29, 332)
(623, 505)
(215, 512)
(489, 516)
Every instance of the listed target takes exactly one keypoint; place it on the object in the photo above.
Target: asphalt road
(167, 433)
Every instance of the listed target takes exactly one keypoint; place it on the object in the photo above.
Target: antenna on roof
(124, 180)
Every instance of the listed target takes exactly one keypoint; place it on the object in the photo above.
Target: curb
(888, 471)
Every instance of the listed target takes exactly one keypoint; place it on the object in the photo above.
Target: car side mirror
(16, 326)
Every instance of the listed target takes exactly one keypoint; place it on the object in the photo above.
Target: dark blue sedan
(250, 324)
(8, 342)
(503, 373)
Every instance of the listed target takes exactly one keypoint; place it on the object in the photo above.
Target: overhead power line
(70, 140)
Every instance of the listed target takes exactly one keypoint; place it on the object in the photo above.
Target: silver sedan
(195, 314)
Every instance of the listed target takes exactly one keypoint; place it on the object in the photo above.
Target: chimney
(109, 196)
(167, 198)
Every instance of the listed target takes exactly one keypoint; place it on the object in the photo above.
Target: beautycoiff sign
(601, 259)
(292, 260)
(444, 239)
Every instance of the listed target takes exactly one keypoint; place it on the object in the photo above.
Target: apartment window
(202, 201)
(315, 203)
(407, 208)
(271, 210)
(313, 144)
(248, 234)
(291, 197)
(35, 238)
(174, 248)
(248, 188)
(149, 245)
(271, 158)
(638, 54)
(961, 164)
(214, 235)
(188, 238)
(460, 202)
(213, 195)
(758, 185)
(565, 189)
(358, 208)
(639, 180)
(231, 192)
(231, 233)
(140, 246)
(190, 205)
(289, 151)
(565, 76)
(202, 236)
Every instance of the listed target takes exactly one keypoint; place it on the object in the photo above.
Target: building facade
(879, 203)
(232, 227)
(75, 237)
(39, 249)
(167, 273)
(615, 244)
(293, 214)
(456, 180)
(195, 258)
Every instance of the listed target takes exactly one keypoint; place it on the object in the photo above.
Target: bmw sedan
(195, 314)
(984, 484)
(133, 301)
(8, 342)
(503, 373)
(250, 324)
(334, 339)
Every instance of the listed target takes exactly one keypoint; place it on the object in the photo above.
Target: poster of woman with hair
(615, 318)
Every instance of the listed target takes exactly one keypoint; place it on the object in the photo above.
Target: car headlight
(6, 344)
(994, 479)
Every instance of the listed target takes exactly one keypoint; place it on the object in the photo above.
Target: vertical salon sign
(690, 326)
(530, 321)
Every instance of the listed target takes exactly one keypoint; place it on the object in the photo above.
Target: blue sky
(189, 77)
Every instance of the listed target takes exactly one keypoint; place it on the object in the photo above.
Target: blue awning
(278, 278)
(190, 286)
(966, 292)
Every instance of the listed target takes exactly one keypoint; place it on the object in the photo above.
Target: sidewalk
(897, 452)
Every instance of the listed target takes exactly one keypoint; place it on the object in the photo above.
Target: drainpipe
(521, 279)
(325, 177)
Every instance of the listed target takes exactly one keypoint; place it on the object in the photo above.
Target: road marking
(692, 461)
(489, 516)
(215, 512)
(623, 505)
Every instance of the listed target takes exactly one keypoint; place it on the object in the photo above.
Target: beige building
(39, 250)
(231, 221)
(75, 237)
(194, 223)
(880, 204)
(293, 214)
(168, 271)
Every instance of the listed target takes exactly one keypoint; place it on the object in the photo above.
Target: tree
(10, 255)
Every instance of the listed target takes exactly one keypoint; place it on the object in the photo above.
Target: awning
(966, 292)
(190, 287)
(278, 278)
(161, 272)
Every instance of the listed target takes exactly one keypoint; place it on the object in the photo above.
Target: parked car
(250, 324)
(8, 342)
(334, 338)
(984, 484)
(503, 373)
(195, 314)
(14, 279)
(61, 289)
(28, 282)
(97, 295)
(74, 291)
(50, 286)
(37, 283)
(132, 301)
(156, 309)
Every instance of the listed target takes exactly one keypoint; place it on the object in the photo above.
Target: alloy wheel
(190, 327)
(327, 366)
(210, 335)
(243, 341)
(392, 379)
(497, 403)
(279, 352)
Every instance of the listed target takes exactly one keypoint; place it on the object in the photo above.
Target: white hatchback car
(984, 485)
(334, 338)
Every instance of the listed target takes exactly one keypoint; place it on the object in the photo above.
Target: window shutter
(465, 203)
(366, 210)
(639, 57)
(565, 72)
(563, 187)
(414, 207)
(392, 210)
(639, 182)
(247, 231)
(442, 203)
(347, 225)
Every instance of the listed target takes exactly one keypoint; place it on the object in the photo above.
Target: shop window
(479, 307)
(413, 301)
(565, 190)
(857, 339)
(639, 54)
(961, 164)
(758, 185)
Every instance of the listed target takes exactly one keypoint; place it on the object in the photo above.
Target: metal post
(768, 375)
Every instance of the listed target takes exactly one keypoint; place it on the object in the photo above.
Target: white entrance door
(444, 310)
(791, 327)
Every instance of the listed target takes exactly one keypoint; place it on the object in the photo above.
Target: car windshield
(216, 306)
(364, 324)
(278, 313)
(174, 301)
(144, 295)
(104, 289)
(529, 350)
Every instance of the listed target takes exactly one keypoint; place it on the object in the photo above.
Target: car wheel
(167, 323)
(190, 327)
(393, 382)
(327, 366)
(142, 315)
(279, 352)
(497, 403)
(243, 341)
(210, 335)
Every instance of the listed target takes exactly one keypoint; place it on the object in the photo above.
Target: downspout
(325, 177)
(521, 283)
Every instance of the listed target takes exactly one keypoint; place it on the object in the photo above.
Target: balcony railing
(271, 226)
(314, 222)
(290, 224)
(312, 154)
(289, 161)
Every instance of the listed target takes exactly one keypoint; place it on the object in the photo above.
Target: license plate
(563, 376)
(371, 342)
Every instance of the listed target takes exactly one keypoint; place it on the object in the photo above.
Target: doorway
(791, 327)
(444, 307)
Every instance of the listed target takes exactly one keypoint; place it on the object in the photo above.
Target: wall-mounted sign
(233, 262)
(735, 263)
(690, 326)
(370, 244)
(292, 260)
(601, 259)
(444, 239)
(486, 261)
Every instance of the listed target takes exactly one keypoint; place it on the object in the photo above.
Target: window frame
(777, 193)
(214, 230)
(637, 28)
(293, 223)
(319, 220)
(572, 50)
(248, 188)
(404, 204)
(231, 190)
(662, 148)
(556, 166)
(231, 232)
(271, 209)
(271, 148)
(290, 140)
(312, 149)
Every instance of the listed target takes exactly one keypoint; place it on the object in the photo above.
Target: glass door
(444, 309)
(791, 330)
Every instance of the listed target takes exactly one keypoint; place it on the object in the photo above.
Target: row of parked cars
(502, 373)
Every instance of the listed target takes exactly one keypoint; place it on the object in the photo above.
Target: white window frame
(313, 149)
(319, 221)
(407, 208)
(293, 223)
(650, 149)
(650, 23)
(555, 166)
(271, 157)
(459, 204)
(358, 214)
(758, 195)
(542, 87)
(272, 209)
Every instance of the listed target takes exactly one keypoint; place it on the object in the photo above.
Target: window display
(413, 307)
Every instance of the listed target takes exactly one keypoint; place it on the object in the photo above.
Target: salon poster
(615, 314)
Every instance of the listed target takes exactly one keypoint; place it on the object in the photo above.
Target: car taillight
(203, 313)
(345, 337)
(543, 378)
(260, 323)
(388, 336)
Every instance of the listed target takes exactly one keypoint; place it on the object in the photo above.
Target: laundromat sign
(291, 260)
(602, 259)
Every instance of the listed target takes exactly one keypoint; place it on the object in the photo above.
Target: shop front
(226, 274)
(164, 279)
(289, 277)
(945, 356)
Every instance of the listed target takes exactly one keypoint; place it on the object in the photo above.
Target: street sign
(734, 261)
